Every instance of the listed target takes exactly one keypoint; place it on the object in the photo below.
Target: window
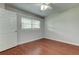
(26, 23)
(36, 24)
(30, 23)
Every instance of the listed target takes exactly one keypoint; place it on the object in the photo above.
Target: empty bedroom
(39, 28)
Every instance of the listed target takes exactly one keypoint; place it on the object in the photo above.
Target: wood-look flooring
(43, 47)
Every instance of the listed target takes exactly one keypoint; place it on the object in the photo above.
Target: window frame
(32, 20)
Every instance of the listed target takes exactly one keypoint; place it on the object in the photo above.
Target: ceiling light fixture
(45, 7)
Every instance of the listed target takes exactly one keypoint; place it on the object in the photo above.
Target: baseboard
(43, 38)
(71, 43)
(29, 41)
(8, 48)
(20, 44)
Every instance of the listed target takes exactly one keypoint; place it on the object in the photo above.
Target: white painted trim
(19, 43)
(8, 48)
(63, 41)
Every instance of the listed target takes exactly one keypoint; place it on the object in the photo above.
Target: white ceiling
(35, 7)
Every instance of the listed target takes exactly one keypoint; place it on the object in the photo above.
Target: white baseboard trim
(8, 48)
(41, 38)
(19, 43)
(29, 41)
(63, 41)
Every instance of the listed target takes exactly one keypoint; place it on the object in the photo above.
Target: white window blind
(30, 23)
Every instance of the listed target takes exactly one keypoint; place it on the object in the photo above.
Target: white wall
(8, 22)
(8, 27)
(27, 35)
(63, 26)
